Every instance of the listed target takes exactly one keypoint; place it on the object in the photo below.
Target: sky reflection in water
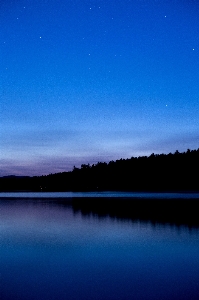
(49, 251)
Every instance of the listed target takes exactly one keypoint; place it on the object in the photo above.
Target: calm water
(50, 251)
(99, 194)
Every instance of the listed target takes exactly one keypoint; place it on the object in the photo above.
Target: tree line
(157, 172)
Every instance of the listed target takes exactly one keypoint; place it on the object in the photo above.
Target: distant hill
(157, 172)
(14, 176)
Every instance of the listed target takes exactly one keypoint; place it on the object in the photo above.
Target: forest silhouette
(157, 172)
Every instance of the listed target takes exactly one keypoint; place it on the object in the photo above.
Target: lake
(52, 249)
(110, 194)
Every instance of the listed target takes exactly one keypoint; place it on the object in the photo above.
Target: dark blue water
(99, 194)
(50, 251)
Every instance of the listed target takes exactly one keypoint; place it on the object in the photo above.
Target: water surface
(110, 194)
(49, 250)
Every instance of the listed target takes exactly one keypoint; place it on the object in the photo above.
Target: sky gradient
(83, 81)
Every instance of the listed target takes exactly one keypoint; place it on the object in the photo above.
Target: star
(193, 49)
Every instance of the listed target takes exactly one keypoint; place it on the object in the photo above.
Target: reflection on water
(105, 194)
(55, 250)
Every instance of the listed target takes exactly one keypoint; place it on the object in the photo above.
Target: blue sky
(84, 81)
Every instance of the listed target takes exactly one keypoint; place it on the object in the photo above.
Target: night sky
(83, 81)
